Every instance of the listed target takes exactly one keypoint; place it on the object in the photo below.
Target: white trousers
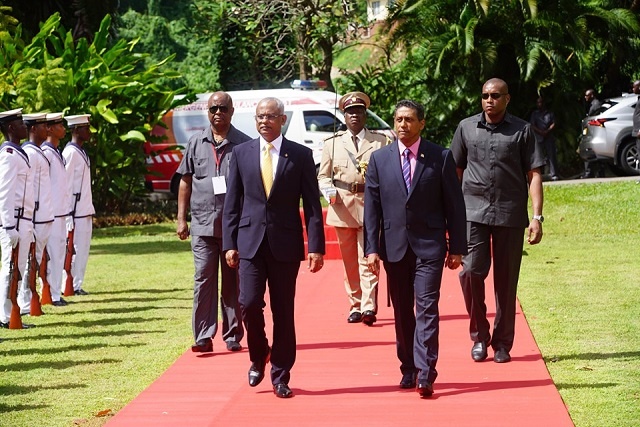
(42, 232)
(56, 248)
(81, 244)
(26, 237)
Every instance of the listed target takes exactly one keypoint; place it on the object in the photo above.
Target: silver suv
(607, 136)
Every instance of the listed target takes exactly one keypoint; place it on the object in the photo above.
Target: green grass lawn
(579, 289)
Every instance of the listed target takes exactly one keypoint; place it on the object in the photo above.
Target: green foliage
(552, 48)
(107, 80)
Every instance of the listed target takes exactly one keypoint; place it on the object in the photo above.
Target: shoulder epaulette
(335, 135)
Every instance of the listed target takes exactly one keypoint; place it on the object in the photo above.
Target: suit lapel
(283, 161)
(394, 158)
(420, 161)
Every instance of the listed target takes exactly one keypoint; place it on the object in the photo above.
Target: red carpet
(348, 375)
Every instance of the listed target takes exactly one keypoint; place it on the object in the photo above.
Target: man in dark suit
(262, 234)
(412, 201)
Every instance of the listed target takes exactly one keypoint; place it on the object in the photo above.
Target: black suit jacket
(422, 219)
(249, 214)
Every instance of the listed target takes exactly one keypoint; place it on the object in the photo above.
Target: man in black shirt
(498, 164)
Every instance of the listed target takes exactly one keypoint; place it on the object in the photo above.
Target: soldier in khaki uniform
(341, 180)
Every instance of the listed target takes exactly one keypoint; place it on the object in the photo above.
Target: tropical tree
(540, 47)
(54, 72)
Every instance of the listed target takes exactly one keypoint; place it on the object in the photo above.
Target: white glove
(14, 237)
(69, 223)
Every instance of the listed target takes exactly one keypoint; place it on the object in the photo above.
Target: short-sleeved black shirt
(496, 160)
(200, 162)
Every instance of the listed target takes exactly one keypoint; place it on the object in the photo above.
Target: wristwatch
(539, 218)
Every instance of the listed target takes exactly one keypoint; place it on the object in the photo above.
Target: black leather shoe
(408, 380)
(233, 346)
(479, 351)
(24, 325)
(203, 346)
(369, 318)
(501, 356)
(60, 303)
(355, 317)
(282, 391)
(424, 388)
(80, 292)
(256, 371)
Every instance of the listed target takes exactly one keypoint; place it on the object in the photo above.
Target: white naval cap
(53, 118)
(78, 120)
(11, 115)
(32, 119)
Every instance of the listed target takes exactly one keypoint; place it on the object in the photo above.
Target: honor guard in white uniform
(80, 203)
(42, 212)
(341, 180)
(60, 204)
(16, 207)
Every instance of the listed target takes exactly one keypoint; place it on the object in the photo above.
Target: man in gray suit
(204, 169)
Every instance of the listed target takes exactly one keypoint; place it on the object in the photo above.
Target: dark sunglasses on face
(492, 95)
(214, 109)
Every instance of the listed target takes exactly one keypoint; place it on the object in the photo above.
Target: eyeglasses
(267, 117)
(214, 109)
(493, 95)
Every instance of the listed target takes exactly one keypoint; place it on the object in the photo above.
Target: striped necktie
(406, 168)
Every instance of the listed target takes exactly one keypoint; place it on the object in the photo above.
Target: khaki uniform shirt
(337, 165)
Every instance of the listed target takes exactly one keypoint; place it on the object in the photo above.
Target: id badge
(219, 185)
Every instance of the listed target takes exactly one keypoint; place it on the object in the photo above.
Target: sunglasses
(214, 109)
(267, 117)
(492, 95)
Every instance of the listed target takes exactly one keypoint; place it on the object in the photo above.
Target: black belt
(354, 187)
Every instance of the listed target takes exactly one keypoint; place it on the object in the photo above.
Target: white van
(312, 116)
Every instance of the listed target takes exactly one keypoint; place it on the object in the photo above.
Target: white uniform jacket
(79, 181)
(58, 174)
(16, 185)
(43, 210)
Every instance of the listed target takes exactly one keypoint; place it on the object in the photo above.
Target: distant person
(498, 163)
(344, 162)
(42, 217)
(592, 104)
(542, 123)
(415, 222)
(60, 199)
(262, 235)
(80, 207)
(203, 185)
(16, 208)
(636, 119)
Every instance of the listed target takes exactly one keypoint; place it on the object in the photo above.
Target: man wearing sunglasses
(498, 164)
(204, 169)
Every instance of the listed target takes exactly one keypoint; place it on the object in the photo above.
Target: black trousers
(281, 276)
(506, 245)
(417, 342)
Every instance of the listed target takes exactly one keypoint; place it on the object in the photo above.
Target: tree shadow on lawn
(12, 389)
(50, 350)
(62, 364)
(594, 356)
(139, 248)
(106, 322)
(87, 335)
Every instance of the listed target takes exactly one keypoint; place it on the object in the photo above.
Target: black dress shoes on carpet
(501, 356)
(424, 388)
(408, 381)
(355, 317)
(256, 371)
(369, 318)
(479, 351)
(233, 346)
(282, 391)
(203, 346)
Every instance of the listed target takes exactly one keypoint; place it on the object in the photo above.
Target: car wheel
(629, 158)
